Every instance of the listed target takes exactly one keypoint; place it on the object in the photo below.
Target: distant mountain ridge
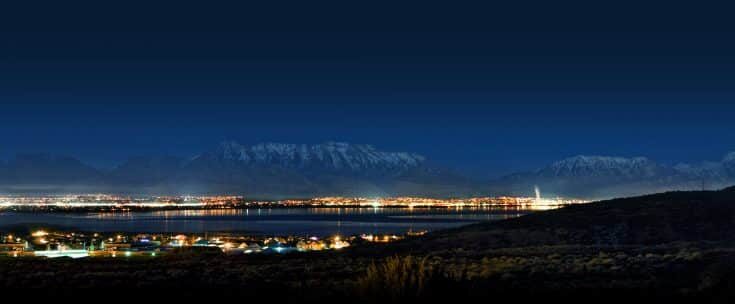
(272, 170)
(265, 170)
(602, 166)
(35, 168)
(334, 156)
(332, 168)
(607, 177)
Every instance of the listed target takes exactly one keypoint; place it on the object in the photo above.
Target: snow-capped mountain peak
(329, 155)
(231, 150)
(728, 162)
(729, 158)
(701, 170)
(583, 165)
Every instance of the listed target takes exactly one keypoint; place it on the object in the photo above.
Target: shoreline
(86, 210)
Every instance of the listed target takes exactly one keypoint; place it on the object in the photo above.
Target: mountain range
(275, 170)
(263, 170)
(601, 177)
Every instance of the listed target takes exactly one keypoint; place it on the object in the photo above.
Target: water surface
(270, 221)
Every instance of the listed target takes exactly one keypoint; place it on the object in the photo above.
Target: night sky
(487, 89)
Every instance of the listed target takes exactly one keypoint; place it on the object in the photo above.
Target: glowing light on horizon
(39, 233)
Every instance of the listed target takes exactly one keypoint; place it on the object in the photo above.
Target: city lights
(118, 203)
(49, 243)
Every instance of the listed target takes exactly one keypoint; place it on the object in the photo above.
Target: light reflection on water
(272, 221)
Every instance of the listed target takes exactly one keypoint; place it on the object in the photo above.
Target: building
(7, 247)
(71, 253)
(115, 246)
(310, 245)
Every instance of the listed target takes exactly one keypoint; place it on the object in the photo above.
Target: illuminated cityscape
(104, 202)
(55, 244)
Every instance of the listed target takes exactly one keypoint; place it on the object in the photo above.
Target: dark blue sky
(489, 89)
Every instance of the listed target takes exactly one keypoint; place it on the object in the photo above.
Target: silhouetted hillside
(696, 216)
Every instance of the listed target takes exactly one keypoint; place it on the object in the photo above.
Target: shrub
(398, 278)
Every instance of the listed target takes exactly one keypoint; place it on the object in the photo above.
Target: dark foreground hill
(697, 216)
(674, 246)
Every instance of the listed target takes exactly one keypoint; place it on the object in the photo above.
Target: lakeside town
(107, 202)
(57, 244)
